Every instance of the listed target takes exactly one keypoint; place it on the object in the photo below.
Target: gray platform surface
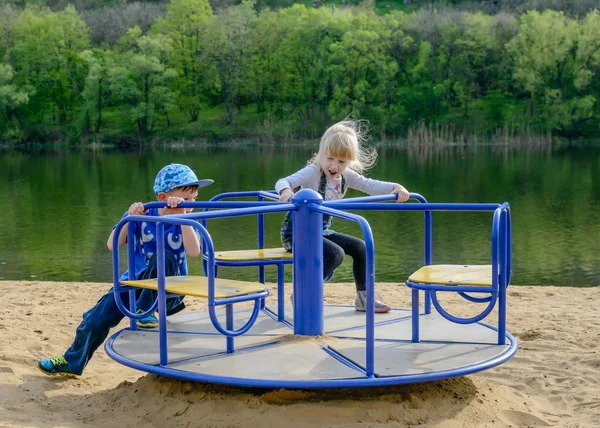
(338, 317)
(287, 360)
(271, 351)
(432, 328)
(199, 322)
(405, 358)
(142, 345)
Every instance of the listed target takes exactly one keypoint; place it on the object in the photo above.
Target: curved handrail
(269, 194)
(117, 287)
(212, 302)
(212, 204)
(240, 331)
(345, 204)
(370, 278)
(499, 235)
(362, 199)
(474, 299)
(190, 220)
(244, 208)
(509, 242)
(260, 195)
(500, 269)
(376, 198)
(428, 206)
(461, 320)
(495, 250)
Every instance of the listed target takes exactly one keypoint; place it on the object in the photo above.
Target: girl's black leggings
(335, 246)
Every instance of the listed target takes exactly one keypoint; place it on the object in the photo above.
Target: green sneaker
(149, 322)
(54, 366)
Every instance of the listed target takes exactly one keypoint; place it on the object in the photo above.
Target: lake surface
(58, 208)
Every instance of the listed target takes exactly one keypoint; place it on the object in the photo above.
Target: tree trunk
(99, 107)
(140, 127)
(146, 98)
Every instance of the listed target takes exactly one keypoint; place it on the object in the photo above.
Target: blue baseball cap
(177, 175)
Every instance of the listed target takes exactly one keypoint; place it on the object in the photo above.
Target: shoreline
(551, 381)
(125, 143)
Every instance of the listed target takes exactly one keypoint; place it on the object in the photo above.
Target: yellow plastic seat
(198, 286)
(474, 275)
(253, 255)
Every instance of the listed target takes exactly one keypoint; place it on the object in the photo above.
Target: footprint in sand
(529, 335)
(522, 419)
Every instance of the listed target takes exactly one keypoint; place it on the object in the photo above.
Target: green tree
(140, 81)
(265, 77)
(362, 71)
(96, 90)
(45, 55)
(478, 74)
(588, 57)
(185, 24)
(548, 67)
(228, 45)
(8, 16)
(437, 35)
(305, 54)
(11, 98)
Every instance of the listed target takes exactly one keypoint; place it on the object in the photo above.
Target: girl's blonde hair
(345, 140)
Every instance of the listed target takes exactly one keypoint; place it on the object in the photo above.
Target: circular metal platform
(271, 356)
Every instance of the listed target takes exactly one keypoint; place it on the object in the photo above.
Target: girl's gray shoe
(360, 303)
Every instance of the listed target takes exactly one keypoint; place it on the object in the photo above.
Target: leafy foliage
(300, 66)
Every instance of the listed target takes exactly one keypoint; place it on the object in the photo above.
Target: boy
(174, 184)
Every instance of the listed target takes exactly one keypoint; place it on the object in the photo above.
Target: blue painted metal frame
(280, 263)
(160, 303)
(370, 281)
(308, 263)
(346, 204)
(359, 382)
(307, 208)
(501, 273)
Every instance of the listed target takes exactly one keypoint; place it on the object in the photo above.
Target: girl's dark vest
(286, 226)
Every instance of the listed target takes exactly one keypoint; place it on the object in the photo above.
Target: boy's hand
(286, 195)
(402, 193)
(173, 202)
(137, 208)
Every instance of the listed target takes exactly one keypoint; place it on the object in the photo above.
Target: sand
(554, 380)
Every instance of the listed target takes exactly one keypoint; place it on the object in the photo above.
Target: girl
(331, 172)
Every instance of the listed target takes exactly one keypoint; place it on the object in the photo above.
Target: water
(58, 208)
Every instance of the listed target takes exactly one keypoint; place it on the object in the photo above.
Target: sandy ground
(554, 380)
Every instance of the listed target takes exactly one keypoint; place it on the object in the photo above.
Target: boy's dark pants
(105, 315)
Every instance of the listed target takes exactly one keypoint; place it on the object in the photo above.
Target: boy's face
(188, 195)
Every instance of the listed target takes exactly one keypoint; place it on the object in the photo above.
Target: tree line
(296, 69)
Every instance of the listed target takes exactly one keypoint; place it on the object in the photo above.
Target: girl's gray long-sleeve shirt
(309, 178)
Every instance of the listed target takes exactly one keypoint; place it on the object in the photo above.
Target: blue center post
(308, 264)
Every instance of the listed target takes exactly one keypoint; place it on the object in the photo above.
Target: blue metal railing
(501, 272)
(261, 195)
(160, 303)
(370, 279)
(307, 203)
(350, 204)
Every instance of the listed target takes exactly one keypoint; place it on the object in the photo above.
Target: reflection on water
(58, 208)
